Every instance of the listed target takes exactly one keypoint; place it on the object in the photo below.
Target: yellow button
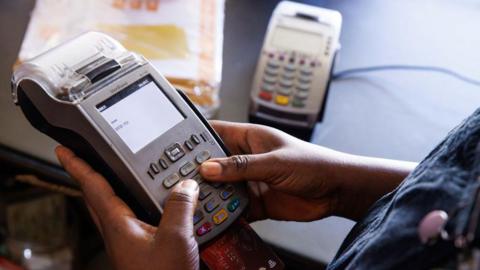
(220, 216)
(281, 100)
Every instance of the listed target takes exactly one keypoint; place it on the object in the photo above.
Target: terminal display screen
(140, 113)
(298, 40)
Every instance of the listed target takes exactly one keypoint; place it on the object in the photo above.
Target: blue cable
(349, 72)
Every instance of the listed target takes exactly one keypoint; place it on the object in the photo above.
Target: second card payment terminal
(115, 110)
(292, 78)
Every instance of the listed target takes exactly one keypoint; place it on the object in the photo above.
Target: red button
(205, 228)
(265, 96)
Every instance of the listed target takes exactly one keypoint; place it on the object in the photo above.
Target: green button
(298, 103)
(233, 205)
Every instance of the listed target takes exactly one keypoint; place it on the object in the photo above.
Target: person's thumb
(258, 167)
(177, 217)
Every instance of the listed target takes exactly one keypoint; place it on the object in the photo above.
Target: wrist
(361, 181)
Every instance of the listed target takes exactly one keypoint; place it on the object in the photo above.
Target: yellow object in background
(159, 42)
(136, 4)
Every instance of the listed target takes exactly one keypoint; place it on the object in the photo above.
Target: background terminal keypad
(287, 79)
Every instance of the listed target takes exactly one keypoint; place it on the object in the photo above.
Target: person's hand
(286, 180)
(289, 179)
(131, 243)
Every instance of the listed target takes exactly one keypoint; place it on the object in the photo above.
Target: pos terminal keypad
(216, 201)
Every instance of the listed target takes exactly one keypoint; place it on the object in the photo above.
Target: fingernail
(58, 149)
(189, 185)
(211, 169)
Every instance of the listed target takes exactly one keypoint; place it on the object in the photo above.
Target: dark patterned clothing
(447, 179)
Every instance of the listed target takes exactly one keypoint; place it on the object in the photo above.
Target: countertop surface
(390, 114)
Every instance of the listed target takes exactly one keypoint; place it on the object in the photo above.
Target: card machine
(291, 82)
(116, 111)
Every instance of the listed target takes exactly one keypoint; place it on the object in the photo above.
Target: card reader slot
(103, 71)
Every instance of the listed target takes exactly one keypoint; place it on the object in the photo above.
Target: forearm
(363, 180)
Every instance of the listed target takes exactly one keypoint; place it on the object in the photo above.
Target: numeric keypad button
(233, 204)
(286, 83)
(271, 72)
(198, 178)
(265, 95)
(187, 168)
(197, 216)
(303, 87)
(273, 64)
(289, 76)
(306, 71)
(290, 67)
(304, 79)
(204, 229)
(298, 103)
(202, 156)
(268, 87)
(211, 205)
(219, 217)
(269, 79)
(171, 180)
(284, 91)
(227, 192)
(282, 100)
(205, 191)
(216, 184)
(302, 95)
